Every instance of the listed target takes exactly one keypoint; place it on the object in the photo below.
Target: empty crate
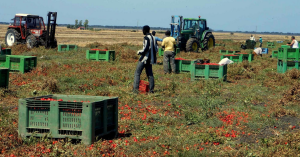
(288, 54)
(246, 56)
(20, 63)
(98, 55)
(64, 47)
(234, 58)
(283, 66)
(208, 70)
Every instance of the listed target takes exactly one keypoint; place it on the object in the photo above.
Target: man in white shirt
(252, 38)
(257, 51)
(294, 43)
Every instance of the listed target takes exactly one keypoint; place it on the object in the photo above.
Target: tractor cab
(30, 29)
(195, 27)
(192, 34)
(28, 24)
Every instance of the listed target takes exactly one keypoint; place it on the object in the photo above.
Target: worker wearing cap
(156, 38)
(169, 44)
(257, 51)
(294, 43)
(260, 41)
(147, 59)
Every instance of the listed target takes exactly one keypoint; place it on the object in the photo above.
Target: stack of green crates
(5, 51)
(98, 55)
(4, 77)
(234, 58)
(270, 45)
(275, 52)
(64, 47)
(226, 52)
(20, 63)
(288, 58)
(208, 70)
(64, 116)
(161, 51)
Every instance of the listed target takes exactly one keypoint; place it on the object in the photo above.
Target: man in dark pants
(147, 59)
(169, 44)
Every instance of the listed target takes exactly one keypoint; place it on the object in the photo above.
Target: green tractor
(192, 34)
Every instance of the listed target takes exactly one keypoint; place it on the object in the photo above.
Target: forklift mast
(176, 26)
(51, 26)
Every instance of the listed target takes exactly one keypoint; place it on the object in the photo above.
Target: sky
(229, 15)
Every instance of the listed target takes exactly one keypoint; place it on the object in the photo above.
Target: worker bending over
(147, 59)
(294, 43)
(169, 45)
(257, 51)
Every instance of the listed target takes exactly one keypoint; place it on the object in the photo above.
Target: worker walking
(260, 41)
(257, 51)
(156, 38)
(169, 45)
(147, 59)
(294, 43)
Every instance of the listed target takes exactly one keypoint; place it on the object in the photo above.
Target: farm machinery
(191, 34)
(30, 30)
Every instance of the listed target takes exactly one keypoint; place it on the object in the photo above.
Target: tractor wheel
(192, 45)
(31, 41)
(11, 37)
(208, 42)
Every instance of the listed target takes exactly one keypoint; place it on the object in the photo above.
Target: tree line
(79, 24)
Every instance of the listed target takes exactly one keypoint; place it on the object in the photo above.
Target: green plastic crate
(285, 46)
(4, 77)
(161, 51)
(2, 61)
(5, 51)
(287, 54)
(209, 70)
(282, 66)
(275, 54)
(70, 118)
(246, 56)
(182, 65)
(226, 52)
(64, 47)
(234, 58)
(20, 63)
(100, 55)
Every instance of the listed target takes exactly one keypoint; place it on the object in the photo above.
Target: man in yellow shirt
(169, 45)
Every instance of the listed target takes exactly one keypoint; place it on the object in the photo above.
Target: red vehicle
(30, 30)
